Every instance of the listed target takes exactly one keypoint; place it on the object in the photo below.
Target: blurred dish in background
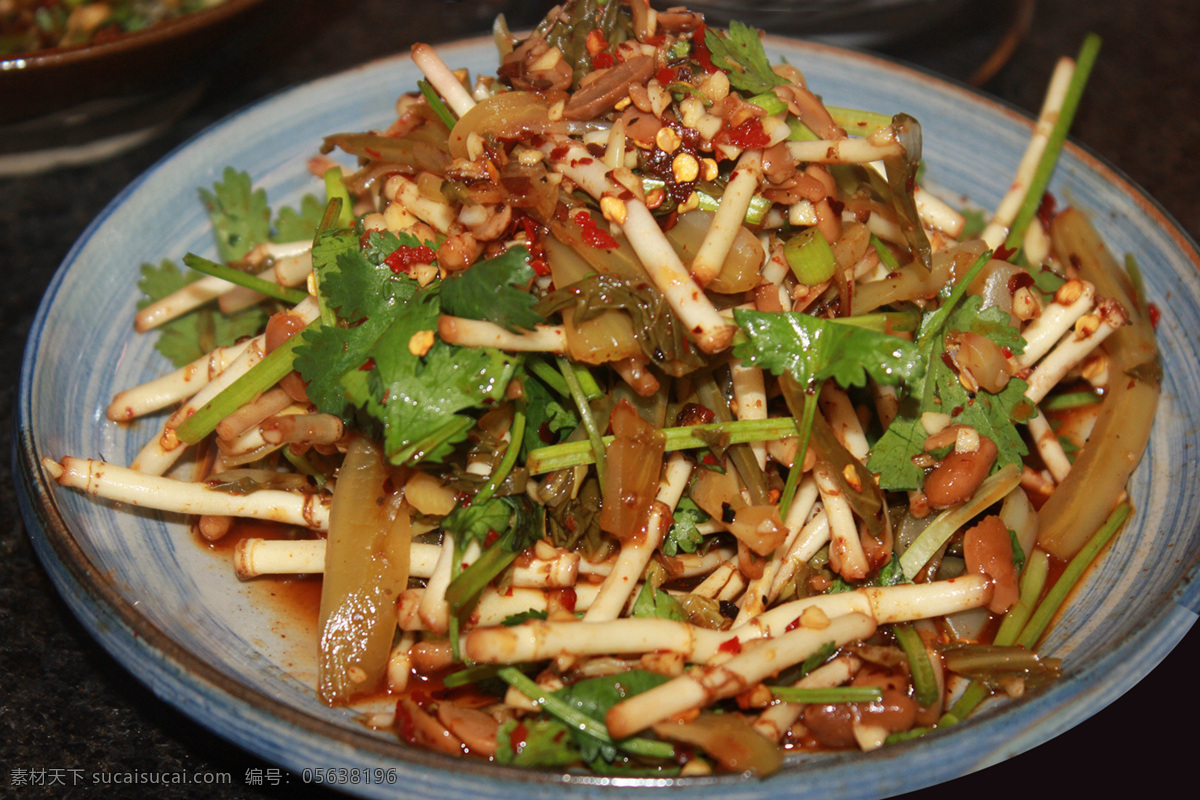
(844, 22)
(73, 105)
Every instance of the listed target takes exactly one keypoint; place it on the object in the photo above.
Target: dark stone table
(66, 705)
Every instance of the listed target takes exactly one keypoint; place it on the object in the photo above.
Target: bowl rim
(172, 667)
(164, 31)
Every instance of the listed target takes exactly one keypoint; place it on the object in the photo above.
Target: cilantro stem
(336, 189)
(258, 379)
(464, 590)
(595, 435)
(1033, 580)
(1054, 143)
(260, 285)
(925, 686)
(506, 463)
(837, 694)
(1057, 595)
(1060, 402)
(576, 454)
(803, 405)
(935, 321)
(579, 721)
(549, 375)
(437, 104)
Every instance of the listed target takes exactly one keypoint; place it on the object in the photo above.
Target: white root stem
(775, 720)
(442, 78)
(857, 150)
(758, 593)
(166, 390)
(705, 324)
(495, 605)
(1049, 447)
(996, 232)
(750, 401)
(846, 555)
(255, 557)
(636, 553)
(839, 411)
(727, 219)
(1072, 300)
(813, 536)
(124, 485)
(703, 685)
(538, 640)
(480, 333)
(1089, 331)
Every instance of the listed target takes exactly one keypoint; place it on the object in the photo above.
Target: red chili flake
(568, 598)
(1154, 314)
(373, 153)
(749, 135)
(1047, 209)
(518, 737)
(533, 240)
(592, 234)
(700, 50)
(367, 365)
(1003, 253)
(1019, 281)
(490, 539)
(667, 75)
(732, 646)
(603, 60)
(791, 626)
(403, 258)
(1006, 352)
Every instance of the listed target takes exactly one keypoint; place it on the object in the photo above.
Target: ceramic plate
(226, 654)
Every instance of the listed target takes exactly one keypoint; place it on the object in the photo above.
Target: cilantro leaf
(657, 603)
(494, 290)
(188, 337)
(375, 360)
(537, 742)
(293, 225)
(239, 214)
(477, 521)
(813, 349)
(740, 54)
(992, 415)
(684, 536)
(595, 696)
(546, 416)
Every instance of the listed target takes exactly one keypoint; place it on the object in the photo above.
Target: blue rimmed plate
(241, 664)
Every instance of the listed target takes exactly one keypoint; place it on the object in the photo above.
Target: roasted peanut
(958, 475)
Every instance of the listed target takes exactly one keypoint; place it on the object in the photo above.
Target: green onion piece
(804, 406)
(258, 379)
(595, 433)
(437, 104)
(1054, 144)
(883, 321)
(334, 187)
(505, 466)
(885, 255)
(577, 720)
(904, 736)
(857, 122)
(975, 694)
(577, 454)
(1060, 402)
(810, 257)
(837, 694)
(1057, 595)
(235, 276)
(465, 677)
(464, 590)
(549, 375)
(1033, 580)
(925, 686)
